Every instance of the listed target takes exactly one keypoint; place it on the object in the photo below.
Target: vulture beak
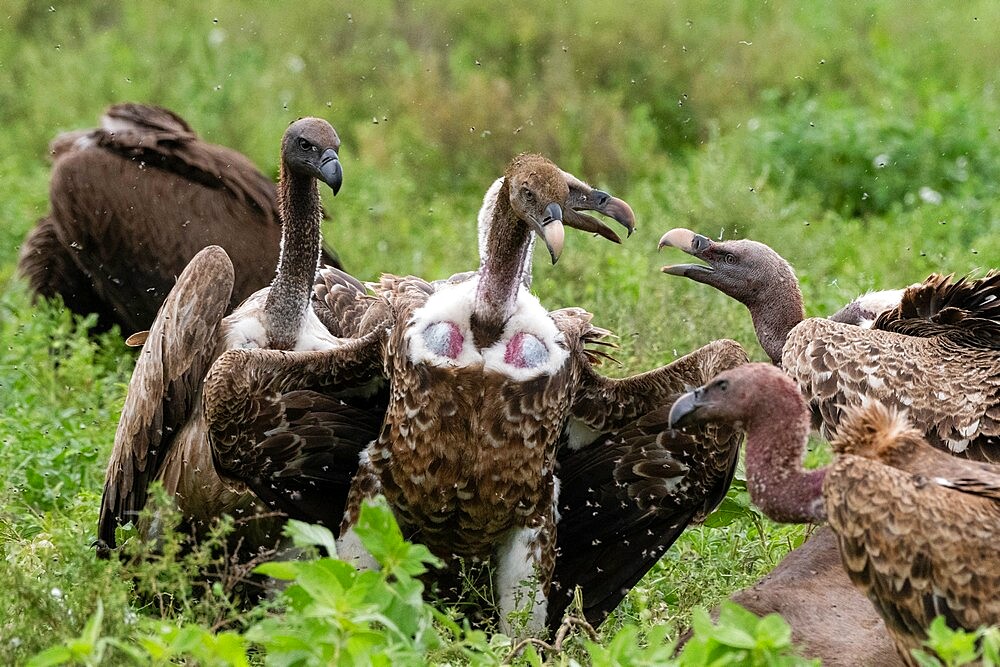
(330, 171)
(550, 228)
(694, 245)
(603, 203)
(684, 408)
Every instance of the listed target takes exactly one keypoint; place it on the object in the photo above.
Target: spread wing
(916, 547)
(291, 425)
(629, 485)
(165, 385)
(950, 391)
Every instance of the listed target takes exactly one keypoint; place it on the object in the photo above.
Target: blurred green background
(860, 139)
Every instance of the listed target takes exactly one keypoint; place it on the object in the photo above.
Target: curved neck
(778, 484)
(774, 313)
(505, 252)
(287, 302)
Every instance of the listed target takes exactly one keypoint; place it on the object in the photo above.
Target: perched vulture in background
(918, 529)
(932, 349)
(496, 438)
(162, 435)
(132, 202)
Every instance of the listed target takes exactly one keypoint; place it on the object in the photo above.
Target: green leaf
(92, 631)
(55, 655)
(775, 630)
(308, 535)
(284, 570)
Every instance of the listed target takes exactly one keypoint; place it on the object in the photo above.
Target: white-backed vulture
(917, 528)
(494, 423)
(931, 349)
(132, 202)
(162, 435)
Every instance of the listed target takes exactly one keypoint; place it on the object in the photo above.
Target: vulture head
(733, 396)
(546, 197)
(745, 270)
(769, 406)
(310, 147)
(750, 272)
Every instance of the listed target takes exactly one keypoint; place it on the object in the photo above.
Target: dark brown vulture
(161, 435)
(132, 202)
(918, 528)
(495, 437)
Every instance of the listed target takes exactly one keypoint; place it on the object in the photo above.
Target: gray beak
(330, 170)
(684, 407)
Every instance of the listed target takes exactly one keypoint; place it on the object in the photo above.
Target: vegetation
(859, 139)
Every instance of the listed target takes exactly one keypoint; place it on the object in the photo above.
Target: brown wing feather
(51, 272)
(628, 494)
(946, 301)
(165, 385)
(605, 404)
(950, 391)
(344, 305)
(917, 548)
(291, 425)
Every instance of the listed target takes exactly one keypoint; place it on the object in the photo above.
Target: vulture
(917, 528)
(132, 202)
(932, 349)
(161, 434)
(491, 435)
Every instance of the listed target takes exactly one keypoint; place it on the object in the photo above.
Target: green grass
(815, 129)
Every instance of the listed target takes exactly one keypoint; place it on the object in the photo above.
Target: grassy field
(860, 139)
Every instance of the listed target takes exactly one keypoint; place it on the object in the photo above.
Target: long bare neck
(508, 241)
(288, 299)
(778, 484)
(775, 312)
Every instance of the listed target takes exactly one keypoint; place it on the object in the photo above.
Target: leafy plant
(739, 638)
(947, 647)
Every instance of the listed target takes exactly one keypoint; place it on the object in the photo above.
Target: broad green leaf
(307, 535)
(56, 655)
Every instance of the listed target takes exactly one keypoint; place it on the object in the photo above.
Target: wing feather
(165, 385)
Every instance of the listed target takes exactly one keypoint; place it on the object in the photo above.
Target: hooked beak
(603, 203)
(691, 243)
(330, 171)
(684, 408)
(550, 228)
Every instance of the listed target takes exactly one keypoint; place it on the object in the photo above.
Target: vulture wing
(950, 390)
(917, 547)
(291, 425)
(165, 386)
(344, 305)
(629, 485)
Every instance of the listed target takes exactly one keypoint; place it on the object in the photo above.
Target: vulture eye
(528, 194)
(722, 385)
(730, 258)
(304, 144)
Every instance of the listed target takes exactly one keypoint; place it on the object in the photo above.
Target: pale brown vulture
(161, 435)
(132, 202)
(495, 438)
(918, 529)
